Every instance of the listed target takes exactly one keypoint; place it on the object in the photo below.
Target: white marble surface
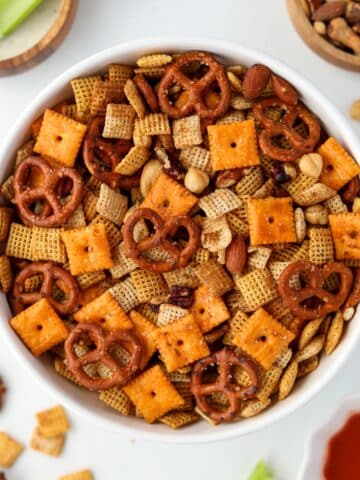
(261, 24)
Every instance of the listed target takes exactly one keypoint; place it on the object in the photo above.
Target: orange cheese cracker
(263, 338)
(39, 327)
(271, 220)
(87, 248)
(233, 145)
(180, 343)
(168, 198)
(153, 394)
(345, 232)
(53, 422)
(208, 311)
(60, 138)
(339, 167)
(146, 331)
(104, 311)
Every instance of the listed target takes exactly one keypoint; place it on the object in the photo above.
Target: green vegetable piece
(13, 12)
(261, 472)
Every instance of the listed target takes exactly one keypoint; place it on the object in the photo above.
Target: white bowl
(316, 446)
(86, 403)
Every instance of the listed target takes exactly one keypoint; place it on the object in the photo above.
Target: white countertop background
(263, 25)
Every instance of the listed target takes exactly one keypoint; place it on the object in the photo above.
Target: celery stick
(13, 12)
(261, 472)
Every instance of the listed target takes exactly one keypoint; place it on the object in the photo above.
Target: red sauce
(343, 454)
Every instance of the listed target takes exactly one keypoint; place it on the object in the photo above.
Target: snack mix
(182, 237)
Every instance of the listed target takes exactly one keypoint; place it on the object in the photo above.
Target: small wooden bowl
(316, 42)
(47, 44)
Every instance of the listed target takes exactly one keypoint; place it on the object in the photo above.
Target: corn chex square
(208, 311)
(214, 277)
(111, 204)
(153, 394)
(59, 138)
(339, 167)
(87, 248)
(180, 343)
(257, 288)
(148, 284)
(345, 231)
(104, 311)
(9, 450)
(220, 202)
(119, 121)
(271, 220)
(39, 327)
(233, 145)
(169, 198)
(187, 132)
(52, 446)
(263, 338)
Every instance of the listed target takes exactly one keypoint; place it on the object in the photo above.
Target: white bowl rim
(95, 62)
(320, 437)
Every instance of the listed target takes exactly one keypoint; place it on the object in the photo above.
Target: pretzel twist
(103, 341)
(226, 359)
(216, 74)
(285, 127)
(315, 277)
(164, 232)
(55, 184)
(51, 275)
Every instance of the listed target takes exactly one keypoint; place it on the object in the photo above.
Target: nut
(149, 174)
(284, 90)
(355, 110)
(316, 215)
(348, 313)
(235, 256)
(356, 205)
(352, 13)
(320, 28)
(328, 11)
(290, 170)
(227, 178)
(255, 81)
(300, 224)
(311, 165)
(339, 31)
(181, 296)
(351, 190)
(196, 180)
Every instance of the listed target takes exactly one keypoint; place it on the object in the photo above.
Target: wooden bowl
(46, 45)
(316, 42)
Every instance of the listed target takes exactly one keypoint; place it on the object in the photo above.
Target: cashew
(311, 165)
(316, 215)
(300, 224)
(196, 180)
(149, 174)
(339, 31)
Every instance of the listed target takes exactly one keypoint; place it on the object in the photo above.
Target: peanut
(311, 165)
(290, 170)
(149, 174)
(320, 28)
(196, 180)
(316, 215)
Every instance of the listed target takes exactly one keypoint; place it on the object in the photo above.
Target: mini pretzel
(194, 87)
(285, 127)
(226, 360)
(121, 374)
(315, 278)
(54, 213)
(147, 92)
(101, 156)
(354, 297)
(164, 233)
(51, 274)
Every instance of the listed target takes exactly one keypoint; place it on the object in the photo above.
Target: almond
(284, 90)
(235, 257)
(255, 81)
(328, 11)
(227, 178)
